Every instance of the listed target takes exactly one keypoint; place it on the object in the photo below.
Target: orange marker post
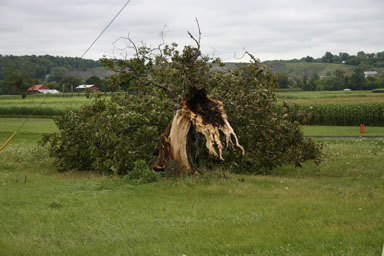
(362, 128)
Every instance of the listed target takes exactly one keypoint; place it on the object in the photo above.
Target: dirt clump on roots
(199, 103)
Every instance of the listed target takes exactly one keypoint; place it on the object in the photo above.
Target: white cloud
(274, 29)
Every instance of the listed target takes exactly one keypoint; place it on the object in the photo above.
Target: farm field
(335, 208)
(329, 97)
(58, 102)
(336, 108)
(36, 126)
(39, 105)
(35, 100)
(53, 105)
(341, 131)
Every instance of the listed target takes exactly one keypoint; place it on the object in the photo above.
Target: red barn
(36, 88)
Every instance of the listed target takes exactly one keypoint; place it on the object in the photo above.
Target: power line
(125, 5)
(102, 32)
(29, 116)
(21, 126)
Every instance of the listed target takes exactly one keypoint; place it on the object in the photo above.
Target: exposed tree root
(208, 117)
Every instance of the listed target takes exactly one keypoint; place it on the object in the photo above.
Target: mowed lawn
(29, 132)
(336, 208)
(342, 131)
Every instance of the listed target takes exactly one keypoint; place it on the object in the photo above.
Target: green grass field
(30, 132)
(333, 209)
(36, 126)
(342, 131)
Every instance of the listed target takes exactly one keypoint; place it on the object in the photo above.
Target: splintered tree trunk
(208, 117)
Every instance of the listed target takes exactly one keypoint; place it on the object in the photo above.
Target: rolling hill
(308, 68)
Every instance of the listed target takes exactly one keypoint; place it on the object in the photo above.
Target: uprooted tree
(208, 118)
(194, 109)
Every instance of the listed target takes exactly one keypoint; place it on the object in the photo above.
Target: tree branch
(162, 34)
(253, 58)
(197, 41)
(165, 87)
(133, 45)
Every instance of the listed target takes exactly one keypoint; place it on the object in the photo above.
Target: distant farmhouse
(370, 73)
(40, 88)
(83, 87)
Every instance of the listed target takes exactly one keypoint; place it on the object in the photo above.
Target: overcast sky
(270, 29)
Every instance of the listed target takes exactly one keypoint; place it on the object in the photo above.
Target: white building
(91, 87)
(370, 73)
(45, 91)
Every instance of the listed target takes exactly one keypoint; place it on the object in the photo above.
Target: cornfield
(369, 113)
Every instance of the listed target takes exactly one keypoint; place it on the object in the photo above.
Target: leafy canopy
(110, 134)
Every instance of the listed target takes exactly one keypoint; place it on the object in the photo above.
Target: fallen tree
(177, 94)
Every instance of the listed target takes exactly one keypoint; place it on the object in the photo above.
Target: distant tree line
(38, 67)
(362, 59)
(17, 73)
(338, 80)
